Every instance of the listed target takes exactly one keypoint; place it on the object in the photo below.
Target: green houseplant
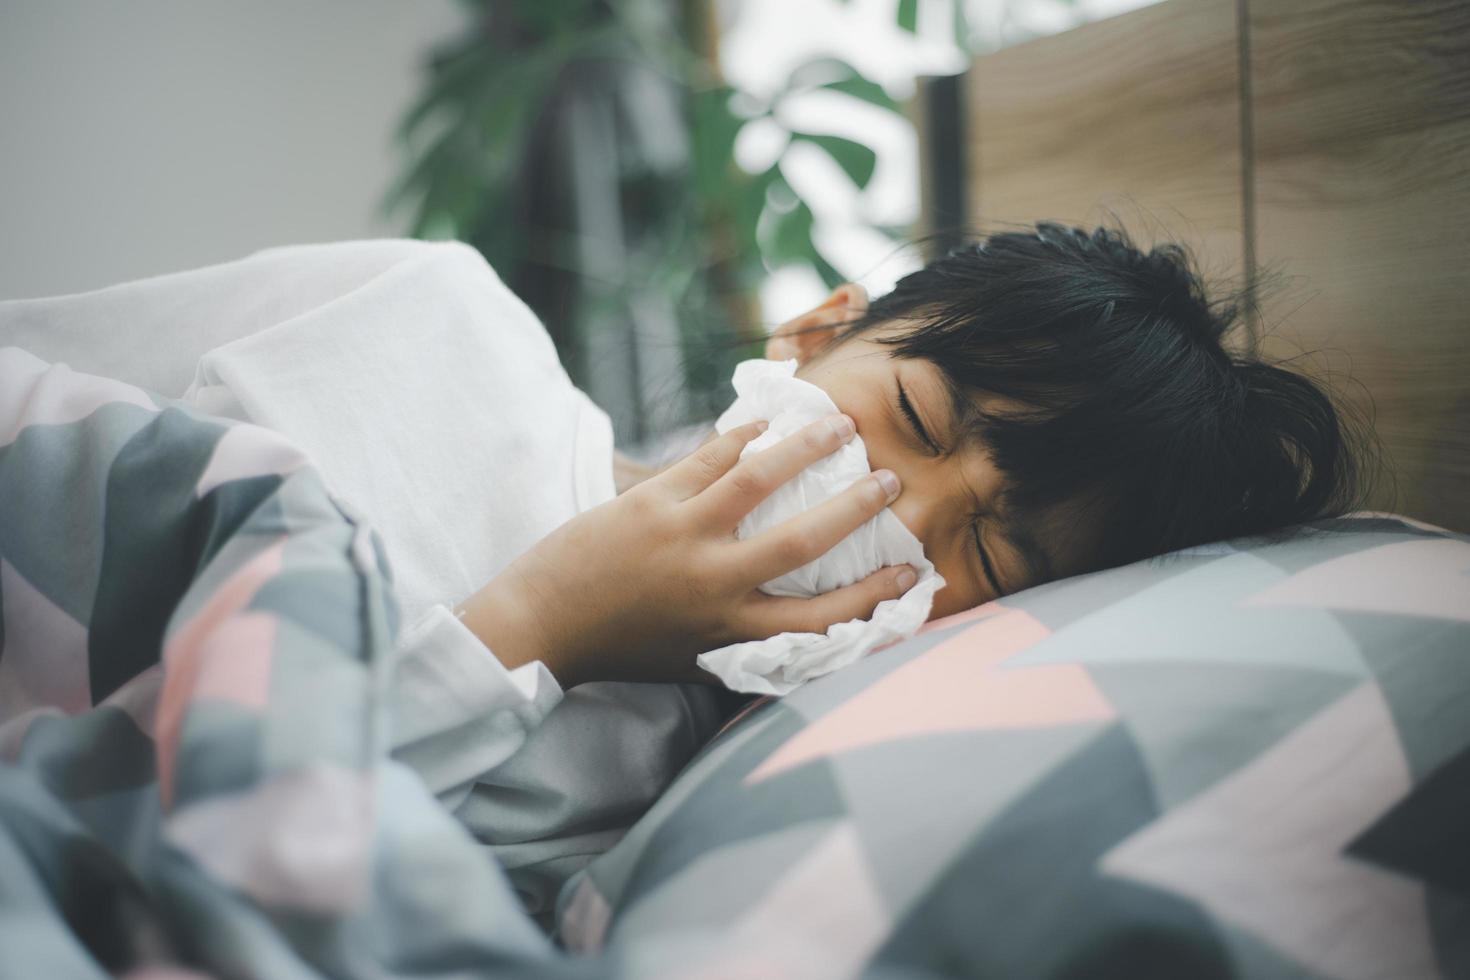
(585, 147)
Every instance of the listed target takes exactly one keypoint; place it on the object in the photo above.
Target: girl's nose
(910, 508)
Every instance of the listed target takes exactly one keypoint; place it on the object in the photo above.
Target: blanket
(401, 369)
(195, 637)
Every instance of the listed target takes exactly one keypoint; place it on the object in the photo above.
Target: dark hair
(1131, 407)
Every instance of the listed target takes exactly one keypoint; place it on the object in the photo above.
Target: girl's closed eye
(985, 561)
(907, 407)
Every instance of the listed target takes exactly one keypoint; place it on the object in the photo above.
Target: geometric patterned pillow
(1249, 759)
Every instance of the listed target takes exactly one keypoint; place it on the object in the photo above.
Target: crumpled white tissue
(770, 390)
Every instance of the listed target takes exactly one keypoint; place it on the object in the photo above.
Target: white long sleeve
(456, 711)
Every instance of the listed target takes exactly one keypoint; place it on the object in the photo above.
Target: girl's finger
(769, 615)
(756, 477)
(712, 460)
(810, 535)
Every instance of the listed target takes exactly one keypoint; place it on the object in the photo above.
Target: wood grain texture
(1139, 114)
(1361, 116)
(917, 110)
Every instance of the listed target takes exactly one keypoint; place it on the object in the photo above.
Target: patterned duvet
(1242, 761)
(192, 763)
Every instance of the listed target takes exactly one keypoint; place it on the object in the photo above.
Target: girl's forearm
(511, 630)
(505, 622)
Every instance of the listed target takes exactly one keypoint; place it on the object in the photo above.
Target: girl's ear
(801, 336)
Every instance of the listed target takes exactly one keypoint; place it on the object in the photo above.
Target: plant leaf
(713, 141)
(543, 17)
(750, 202)
(839, 76)
(817, 72)
(791, 240)
(825, 269)
(857, 160)
(455, 72)
(908, 15)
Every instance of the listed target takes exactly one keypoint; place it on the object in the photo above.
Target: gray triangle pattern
(715, 809)
(1251, 959)
(684, 902)
(917, 806)
(1026, 899)
(1423, 668)
(1196, 723)
(1313, 544)
(67, 576)
(1061, 603)
(1199, 615)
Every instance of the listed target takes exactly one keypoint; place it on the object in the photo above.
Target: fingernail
(906, 579)
(762, 426)
(888, 480)
(842, 425)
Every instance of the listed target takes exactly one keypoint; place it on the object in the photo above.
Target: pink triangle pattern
(223, 651)
(246, 451)
(1263, 849)
(55, 395)
(821, 921)
(1427, 577)
(983, 611)
(300, 840)
(992, 608)
(958, 685)
(584, 924)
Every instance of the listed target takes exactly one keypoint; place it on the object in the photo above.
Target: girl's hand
(627, 473)
(637, 588)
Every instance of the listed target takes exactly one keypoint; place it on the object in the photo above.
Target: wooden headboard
(1318, 150)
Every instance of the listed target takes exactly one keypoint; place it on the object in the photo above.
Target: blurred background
(662, 181)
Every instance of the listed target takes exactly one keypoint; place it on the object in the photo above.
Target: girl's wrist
(503, 619)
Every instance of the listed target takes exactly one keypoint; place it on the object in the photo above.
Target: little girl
(1051, 403)
(1034, 405)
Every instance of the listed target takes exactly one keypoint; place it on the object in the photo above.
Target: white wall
(156, 135)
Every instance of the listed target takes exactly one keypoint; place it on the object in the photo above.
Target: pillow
(1245, 759)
